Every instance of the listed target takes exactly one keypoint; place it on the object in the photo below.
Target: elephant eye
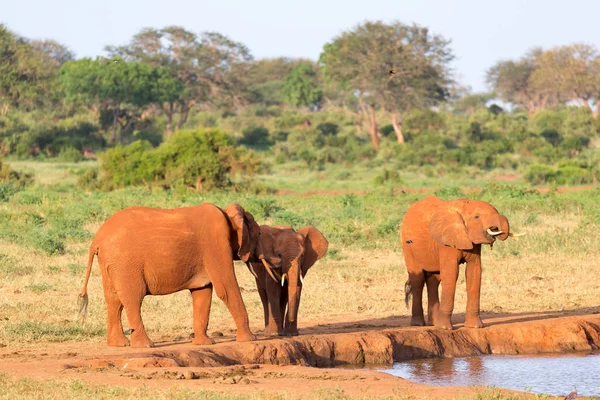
(477, 217)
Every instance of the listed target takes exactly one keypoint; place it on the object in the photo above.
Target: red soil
(287, 364)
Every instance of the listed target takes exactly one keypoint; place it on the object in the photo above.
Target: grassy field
(45, 232)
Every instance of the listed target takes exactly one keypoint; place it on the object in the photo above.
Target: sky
(482, 32)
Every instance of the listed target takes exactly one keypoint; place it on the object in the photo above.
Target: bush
(201, 158)
(387, 176)
(70, 154)
(540, 174)
(255, 136)
(12, 181)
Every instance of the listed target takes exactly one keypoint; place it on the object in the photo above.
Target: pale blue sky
(482, 32)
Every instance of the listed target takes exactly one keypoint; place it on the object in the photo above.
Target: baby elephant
(436, 237)
(288, 255)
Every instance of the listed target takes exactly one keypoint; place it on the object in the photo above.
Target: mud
(287, 364)
(381, 347)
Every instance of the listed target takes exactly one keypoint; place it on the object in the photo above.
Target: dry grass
(38, 301)
(78, 389)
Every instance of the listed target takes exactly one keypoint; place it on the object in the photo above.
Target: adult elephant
(148, 251)
(437, 236)
(287, 257)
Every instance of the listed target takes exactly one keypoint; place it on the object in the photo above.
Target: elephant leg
(433, 300)
(263, 298)
(473, 278)
(201, 299)
(227, 289)
(114, 309)
(133, 306)
(291, 328)
(283, 303)
(275, 312)
(449, 276)
(416, 278)
(417, 282)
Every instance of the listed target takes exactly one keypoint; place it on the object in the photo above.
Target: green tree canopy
(111, 84)
(28, 71)
(203, 65)
(301, 87)
(394, 67)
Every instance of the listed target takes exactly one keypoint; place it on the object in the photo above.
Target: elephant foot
(245, 337)
(118, 342)
(141, 341)
(417, 321)
(473, 322)
(202, 340)
(443, 322)
(272, 331)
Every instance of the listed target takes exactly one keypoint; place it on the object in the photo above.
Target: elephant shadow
(397, 321)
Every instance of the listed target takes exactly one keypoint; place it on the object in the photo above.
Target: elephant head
(245, 236)
(289, 254)
(464, 223)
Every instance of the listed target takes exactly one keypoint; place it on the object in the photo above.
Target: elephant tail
(407, 292)
(82, 299)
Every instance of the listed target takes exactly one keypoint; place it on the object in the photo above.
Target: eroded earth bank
(288, 364)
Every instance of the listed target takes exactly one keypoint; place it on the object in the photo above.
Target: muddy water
(543, 374)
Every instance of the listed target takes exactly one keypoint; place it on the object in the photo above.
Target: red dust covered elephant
(437, 236)
(147, 251)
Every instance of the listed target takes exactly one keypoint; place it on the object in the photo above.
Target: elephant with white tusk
(286, 258)
(437, 236)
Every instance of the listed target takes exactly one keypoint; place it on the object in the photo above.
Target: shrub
(12, 181)
(255, 136)
(201, 158)
(539, 174)
(70, 154)
(387, 176)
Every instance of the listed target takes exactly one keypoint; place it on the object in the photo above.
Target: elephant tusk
(282, 280)
(251, 270)
(301, 280)
(516, 234)
(270, 270)
(492, 233)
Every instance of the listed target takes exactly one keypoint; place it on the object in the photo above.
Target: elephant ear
(315, 246)
(241, 222)
(448, 227)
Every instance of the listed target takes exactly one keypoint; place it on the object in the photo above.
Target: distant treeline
(377, 92)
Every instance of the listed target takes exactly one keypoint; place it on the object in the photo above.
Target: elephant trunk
(294, 289)
(503, 226)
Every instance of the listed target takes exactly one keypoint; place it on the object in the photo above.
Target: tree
(113, 84)
(596, 74)
(394, 67)
(301, 87)
(265, 79)
(28, 70)
(569, 71)
(202, 65)
(512, 81)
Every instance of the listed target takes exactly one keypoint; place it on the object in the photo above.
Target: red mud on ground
(397, 191)
(287, 364)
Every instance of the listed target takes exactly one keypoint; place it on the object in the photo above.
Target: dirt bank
(285, 364)
(379, 347)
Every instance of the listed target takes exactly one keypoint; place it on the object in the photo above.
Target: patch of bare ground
(285, 364)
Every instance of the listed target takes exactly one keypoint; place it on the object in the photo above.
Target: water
(554, 375)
